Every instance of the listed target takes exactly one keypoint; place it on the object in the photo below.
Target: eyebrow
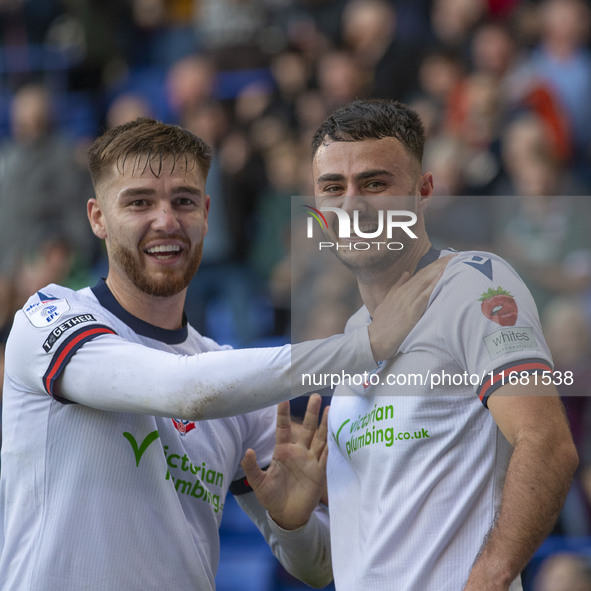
(136, 191)
(366, 174)
(186, 189)
(139, 191)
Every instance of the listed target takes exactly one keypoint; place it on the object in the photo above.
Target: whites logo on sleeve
(509, 340)
(46, 310)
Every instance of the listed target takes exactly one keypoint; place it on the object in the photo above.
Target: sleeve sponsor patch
(46, 310)
(509, 340)
(499, 306)
(58, 331)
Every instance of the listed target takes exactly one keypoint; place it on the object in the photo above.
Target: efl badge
(46, 310)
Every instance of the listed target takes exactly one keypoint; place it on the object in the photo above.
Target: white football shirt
(92, 499)
(416, 461)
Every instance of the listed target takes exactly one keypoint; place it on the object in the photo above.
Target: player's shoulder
(47, 305)
(478, 276)
(477, 267)
(468, 261)
(52, 305)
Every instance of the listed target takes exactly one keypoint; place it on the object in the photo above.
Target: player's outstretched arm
(110, 373)
(538, 478)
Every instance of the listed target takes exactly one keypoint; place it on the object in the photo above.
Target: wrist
(287, 525)
(377, 349)
(490, 576)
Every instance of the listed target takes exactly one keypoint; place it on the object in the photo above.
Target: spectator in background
(494, 49)
(162, 31)
(369, 30)
(546, 238)
(456, 218)
(127, 107)
(44, 235)
(440, 74)
(339, 77)
(474, 116)
(527, 139)
(454, 21)
(230, 31)
(190, 82)
(292, 77)
(562, 61)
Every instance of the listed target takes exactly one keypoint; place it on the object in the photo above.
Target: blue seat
(245, 566)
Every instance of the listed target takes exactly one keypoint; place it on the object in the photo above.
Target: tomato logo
(499, 306)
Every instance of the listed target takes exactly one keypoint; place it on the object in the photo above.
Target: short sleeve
(493, 323)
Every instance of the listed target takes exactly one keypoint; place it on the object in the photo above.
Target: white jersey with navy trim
(416, 462)
(92, 499)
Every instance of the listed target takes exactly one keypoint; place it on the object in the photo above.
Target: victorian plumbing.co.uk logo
(350, 234)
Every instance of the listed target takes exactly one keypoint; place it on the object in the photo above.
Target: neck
(373, 286)
(163, 312)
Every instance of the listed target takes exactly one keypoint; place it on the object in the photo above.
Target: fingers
(319, 447)
(432, 272)
(310, 423)
(420, 286)
(402, 279)
(253, 473)
(428, 276)
(402, 307)
(283, 431)
(426, 280)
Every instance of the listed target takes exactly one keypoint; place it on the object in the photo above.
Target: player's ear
(425, 190)
(207, 206)
(95, 217)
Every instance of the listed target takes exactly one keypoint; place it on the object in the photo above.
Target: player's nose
(353, 201)
(165, 218)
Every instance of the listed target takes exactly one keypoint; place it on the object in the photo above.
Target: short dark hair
(373, 119)
(149, 142)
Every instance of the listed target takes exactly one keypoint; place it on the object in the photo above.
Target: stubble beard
(169, 282)
(371, 261)
(365, 264)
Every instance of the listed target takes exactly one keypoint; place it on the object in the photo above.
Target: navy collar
(429, 257)
(107, 300)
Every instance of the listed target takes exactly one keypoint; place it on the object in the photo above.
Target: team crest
(182, 426)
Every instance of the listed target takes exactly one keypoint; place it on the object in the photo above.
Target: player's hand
(292, 485)
(401, 309)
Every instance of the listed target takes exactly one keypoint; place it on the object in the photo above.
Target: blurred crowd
(503, 87)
